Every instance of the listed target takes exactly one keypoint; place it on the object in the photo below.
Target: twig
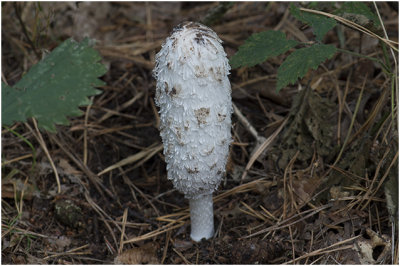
(181, 256)
(156, 232)
(167, 237)
(102, 213)
(70, 252)
(120, 108)
(143, 156)
(247, 124)
(382, 179)
(121, 242)
(43, 144)
(24, 31)
(353, 25)
(92, 177)
(85, 128)
(351, 123)
(282, 225)
(263, 148)
(326, 250)
(395, 76)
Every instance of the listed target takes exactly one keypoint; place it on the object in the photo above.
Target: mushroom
(193, 94)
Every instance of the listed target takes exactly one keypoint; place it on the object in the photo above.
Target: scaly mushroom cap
(194, 96)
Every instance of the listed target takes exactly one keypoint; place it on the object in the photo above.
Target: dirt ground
(317, 193)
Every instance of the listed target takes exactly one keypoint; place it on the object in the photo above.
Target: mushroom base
(201, 217)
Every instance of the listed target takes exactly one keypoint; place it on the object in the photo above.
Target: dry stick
(353, 25)
(252, 212)
(291, 238)
(263, 147)
(371, 118)
(340, 68)
(149, 32)
(181, 256)
(121, 242)
(393, 55)
(326, 249)
(21, 203)
(85, 153)
(341, 105)
(129, 183)
(22, 231)
(101, 213)
(311, 244)
(283, 20)
(154, 233)
(382, 127)
(352, 123)
(261, 105)
(111, 130)
(290, 190)
(17, 159)
(122, 107)
(43, 144)
(93, 178)
(145, 155)
(109, 246)
(280, 226)
(219, 228)
(382, 179)
(24, 31)
(378, 168)
(184, 213)
(156, 115)
(378, 218)
(168, 237)
(384, 138)
(140, 61)
(247, 124)
(269, 214)
(70, 252)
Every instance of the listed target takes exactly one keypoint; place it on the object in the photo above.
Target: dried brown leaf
(145, 254)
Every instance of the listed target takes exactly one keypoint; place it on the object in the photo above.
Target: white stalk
(194, 96)
(202, 217)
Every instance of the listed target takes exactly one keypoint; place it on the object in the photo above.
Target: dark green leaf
(300, 61)
(261, 46)
(319, 23)
(55, 87)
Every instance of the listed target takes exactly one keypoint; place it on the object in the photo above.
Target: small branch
(18, 14)
(247, 124)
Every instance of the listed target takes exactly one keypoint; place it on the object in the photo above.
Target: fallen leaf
(373, 250)
(145, 254)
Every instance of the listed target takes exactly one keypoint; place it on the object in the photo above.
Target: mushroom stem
(201, 217)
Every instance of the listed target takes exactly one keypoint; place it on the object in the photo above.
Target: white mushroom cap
(194, 96)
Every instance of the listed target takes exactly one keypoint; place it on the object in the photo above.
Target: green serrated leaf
(359, 13)
(261, 46)
(300, 61)
(55, 87)
(320, 24)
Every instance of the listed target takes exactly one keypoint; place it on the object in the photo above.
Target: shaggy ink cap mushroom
(194, 96)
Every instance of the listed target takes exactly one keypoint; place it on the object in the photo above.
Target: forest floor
(324, 189)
